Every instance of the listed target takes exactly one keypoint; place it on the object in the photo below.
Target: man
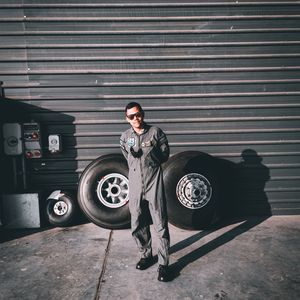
(146, 147)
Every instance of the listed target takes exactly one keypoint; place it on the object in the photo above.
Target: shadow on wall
(233, 189)
(243, 186)
(52, 171)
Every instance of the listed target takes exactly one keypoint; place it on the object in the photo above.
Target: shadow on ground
(181, 263)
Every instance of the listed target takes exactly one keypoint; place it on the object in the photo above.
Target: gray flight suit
(146, 184)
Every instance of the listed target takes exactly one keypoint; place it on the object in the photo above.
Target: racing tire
(63, 211)
(103, 192)
(191, 189)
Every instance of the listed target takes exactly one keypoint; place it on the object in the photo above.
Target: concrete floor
(254, 258)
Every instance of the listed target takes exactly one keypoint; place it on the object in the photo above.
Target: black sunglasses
(138, 115)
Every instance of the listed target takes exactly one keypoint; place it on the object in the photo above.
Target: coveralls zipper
(141, 169)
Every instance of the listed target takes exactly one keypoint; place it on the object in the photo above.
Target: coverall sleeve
(163, 146)
(123, 146)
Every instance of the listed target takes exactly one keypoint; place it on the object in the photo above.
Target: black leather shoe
(145, 263)
(162, 273)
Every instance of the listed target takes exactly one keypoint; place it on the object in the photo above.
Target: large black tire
(62, 211)
(103, 192)
(191, 188)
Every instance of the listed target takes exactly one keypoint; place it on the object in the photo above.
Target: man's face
(134, 117)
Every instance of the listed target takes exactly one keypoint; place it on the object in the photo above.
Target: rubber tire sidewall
(178, 166)
(68, 218)
(95, 211)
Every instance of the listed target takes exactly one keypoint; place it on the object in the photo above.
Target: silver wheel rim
(194, 191)
(113, 190)
(60, 208)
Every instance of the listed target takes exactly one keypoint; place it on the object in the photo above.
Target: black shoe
(162, 273)
(145, 263)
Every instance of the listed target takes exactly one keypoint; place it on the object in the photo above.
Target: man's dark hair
(133, 104)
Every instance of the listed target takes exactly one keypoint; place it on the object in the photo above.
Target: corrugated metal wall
(217, 76)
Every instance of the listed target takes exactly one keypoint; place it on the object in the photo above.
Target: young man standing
(146, 147)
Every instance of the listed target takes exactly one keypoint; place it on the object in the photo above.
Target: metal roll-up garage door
(220, 77)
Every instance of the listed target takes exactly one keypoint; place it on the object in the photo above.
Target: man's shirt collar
(144, 130)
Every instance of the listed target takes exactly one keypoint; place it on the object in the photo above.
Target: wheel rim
(113, 190)
(194, 191)
(60, 208)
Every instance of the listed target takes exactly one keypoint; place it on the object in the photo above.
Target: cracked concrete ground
(253, 258)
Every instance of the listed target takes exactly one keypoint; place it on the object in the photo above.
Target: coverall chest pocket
(152, 156)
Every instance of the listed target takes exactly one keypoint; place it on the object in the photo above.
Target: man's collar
(144, 130)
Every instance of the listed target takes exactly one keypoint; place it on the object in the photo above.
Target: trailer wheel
(61, 211)
(191, 190)
(103, 192)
